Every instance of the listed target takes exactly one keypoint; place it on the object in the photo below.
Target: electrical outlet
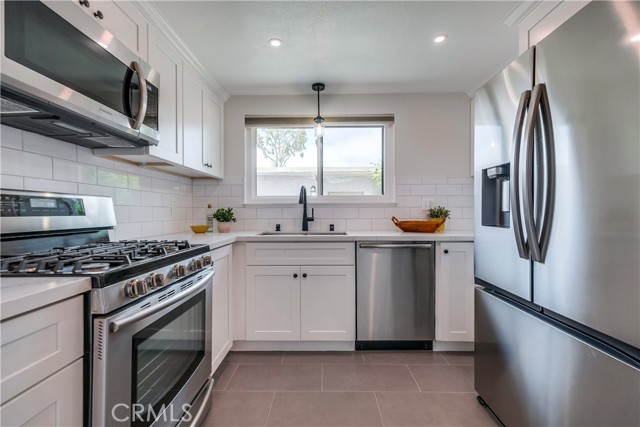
(427, 204)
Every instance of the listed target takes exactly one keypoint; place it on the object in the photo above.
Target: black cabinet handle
(85, 3)
(295, 275)
(304, 275)
(446, 251)
(98, 15)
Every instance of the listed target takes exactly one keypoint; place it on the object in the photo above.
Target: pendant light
(318, 87)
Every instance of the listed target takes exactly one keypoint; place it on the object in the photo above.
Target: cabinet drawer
(39, 343)
(313, 253)
(56, 401)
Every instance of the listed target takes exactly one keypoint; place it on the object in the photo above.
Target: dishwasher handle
(395, 245)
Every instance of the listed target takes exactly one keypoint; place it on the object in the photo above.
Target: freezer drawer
(531, 372)
(395, 287)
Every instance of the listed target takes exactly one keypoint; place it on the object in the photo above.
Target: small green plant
(224, 215)
(439, 212)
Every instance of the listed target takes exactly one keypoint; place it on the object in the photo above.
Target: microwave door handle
(136, 122)
(527, 186)
(550, 172)
(119, 323)
(514, 193)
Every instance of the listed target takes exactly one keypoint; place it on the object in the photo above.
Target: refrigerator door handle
(539, 238)
(550, 172)
(516, 213)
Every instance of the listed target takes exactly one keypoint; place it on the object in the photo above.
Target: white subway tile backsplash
(122, 214)
(338, 224)
(345, 212)
(67, 170)
(128, 230)
(371, 213)
(126, 197)
(148, 198)
(285, 224)
(423, 190)
(111, 178)
(400, 213)
(467, 213)
(449, 190)
(404, 180)
(20, 163)
(322, 212)
(142, 213)
(383, 224)
(460, 201)
(267, 213)
(432, 180)
(256, 224)
(467, 190)
(292, 212)
(11, 137)
(35, 143)
(464, 181)
(39, 184)
(96, 190)
(230, 202)
(246, 213)
(177, 226)
(219, 190)
(418, 213)
(12, 182)
(179, 213)
(198, 190)
(358, 224)
(403, 190)
(409, 201)
(237, 191)
(153, 228)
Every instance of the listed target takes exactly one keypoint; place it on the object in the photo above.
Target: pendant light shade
(318, 87)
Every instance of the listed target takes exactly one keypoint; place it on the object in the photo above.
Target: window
(352, 162)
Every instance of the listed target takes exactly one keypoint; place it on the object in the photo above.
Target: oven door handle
(119, 323)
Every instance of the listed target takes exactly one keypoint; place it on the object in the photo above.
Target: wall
(147, 202)
(432, 132)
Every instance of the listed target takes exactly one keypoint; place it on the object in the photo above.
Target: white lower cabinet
(327, 303)
(454, 291)
(41, 380)
(287, 301)
(273, 303)
(221, 340)
(56, 401)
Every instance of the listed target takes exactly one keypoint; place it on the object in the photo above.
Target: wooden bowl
(199, 228)
(417, 226)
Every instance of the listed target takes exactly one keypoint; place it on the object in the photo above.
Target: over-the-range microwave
(64, 76)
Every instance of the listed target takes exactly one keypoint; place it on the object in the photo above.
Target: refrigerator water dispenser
(495, 196)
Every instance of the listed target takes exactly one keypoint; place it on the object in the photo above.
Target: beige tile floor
(371, 388)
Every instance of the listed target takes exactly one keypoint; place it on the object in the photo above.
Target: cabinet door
(212, 135)
(221, 329)
(273, 303)
(166, 61)
(192, 121)
(327, 303)
(454, 292)
(123, 20)
(56, 401)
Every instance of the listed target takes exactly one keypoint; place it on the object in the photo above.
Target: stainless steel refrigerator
(557, 220)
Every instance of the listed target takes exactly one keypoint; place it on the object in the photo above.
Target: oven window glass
(165, 354)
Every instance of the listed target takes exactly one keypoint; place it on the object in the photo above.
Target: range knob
(141, 286)
(206, 260)
(197, 264)
(130, 290)
(179, 271)
(156, 280)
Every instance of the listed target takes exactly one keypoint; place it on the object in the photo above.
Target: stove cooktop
(105, 262)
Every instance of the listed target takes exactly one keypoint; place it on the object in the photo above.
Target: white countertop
(21, 294)
(216, 240)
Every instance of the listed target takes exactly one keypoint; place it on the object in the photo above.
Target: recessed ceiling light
(275, 42)
(636, 38)
(439, 38)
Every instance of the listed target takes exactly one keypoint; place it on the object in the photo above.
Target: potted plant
(439, 212)
(224, 217)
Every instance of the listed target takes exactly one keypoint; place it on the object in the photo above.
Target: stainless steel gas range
(149, 312)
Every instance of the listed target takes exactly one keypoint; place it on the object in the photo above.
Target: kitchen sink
(303, 233)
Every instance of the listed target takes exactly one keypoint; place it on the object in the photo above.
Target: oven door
(152, 361)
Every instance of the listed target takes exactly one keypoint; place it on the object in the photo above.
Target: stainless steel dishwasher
(395, 286)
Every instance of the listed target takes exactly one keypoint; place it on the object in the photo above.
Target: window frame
(388, 174)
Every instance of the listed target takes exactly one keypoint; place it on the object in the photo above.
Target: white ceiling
(351, 46)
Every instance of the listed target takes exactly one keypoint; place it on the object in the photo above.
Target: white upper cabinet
(202, 132)
(121, 19)
(166, 61)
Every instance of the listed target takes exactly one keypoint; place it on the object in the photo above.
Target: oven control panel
(147, 283)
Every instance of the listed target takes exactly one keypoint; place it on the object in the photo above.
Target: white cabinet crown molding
(161, 25)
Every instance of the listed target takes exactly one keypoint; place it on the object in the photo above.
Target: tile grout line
(375, 396)
(414, 378)
(266, 423)
(231, 377)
